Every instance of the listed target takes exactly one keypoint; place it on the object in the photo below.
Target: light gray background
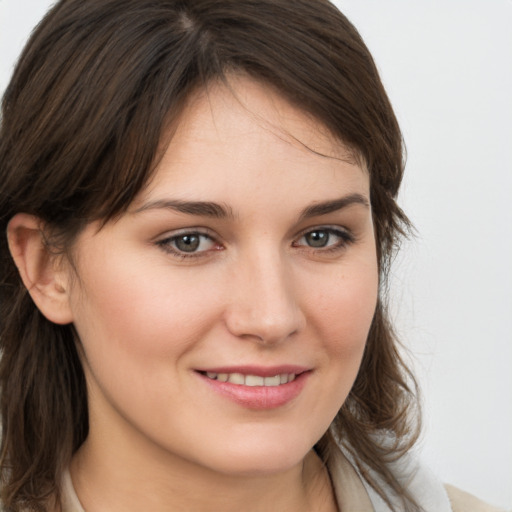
(447, 66)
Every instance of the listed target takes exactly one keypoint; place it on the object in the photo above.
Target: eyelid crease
(194, 230)
(331, 228)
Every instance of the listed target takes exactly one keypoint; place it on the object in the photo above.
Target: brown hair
(83, 116)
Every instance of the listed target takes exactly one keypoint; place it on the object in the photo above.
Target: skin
(255, 292)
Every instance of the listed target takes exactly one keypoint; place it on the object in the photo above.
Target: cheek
(142, 314)
(340, 317)
(343, 312)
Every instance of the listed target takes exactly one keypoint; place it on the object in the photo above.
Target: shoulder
(464, 502)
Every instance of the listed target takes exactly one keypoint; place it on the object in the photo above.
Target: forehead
(245, 131)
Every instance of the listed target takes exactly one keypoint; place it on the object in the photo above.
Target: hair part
(83, 117)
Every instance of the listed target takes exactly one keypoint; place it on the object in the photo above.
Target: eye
(188, 244)
(325, 238)
(317, 238)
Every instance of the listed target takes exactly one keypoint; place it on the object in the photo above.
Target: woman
(199, 201)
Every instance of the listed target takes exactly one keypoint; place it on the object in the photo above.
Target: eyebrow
(333, 205)
(218, 211)
(200, 208)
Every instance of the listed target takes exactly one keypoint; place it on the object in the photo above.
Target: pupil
(317, 238)
(187, 243)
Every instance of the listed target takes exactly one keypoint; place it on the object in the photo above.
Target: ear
(44, 274)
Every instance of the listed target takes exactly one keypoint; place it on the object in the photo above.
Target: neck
(110, 477)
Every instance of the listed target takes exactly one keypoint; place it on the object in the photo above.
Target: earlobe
(40, 270)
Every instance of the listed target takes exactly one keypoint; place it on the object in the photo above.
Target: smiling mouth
(252, 380)
(257, 387)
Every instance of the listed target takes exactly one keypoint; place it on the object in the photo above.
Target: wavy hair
(95, 88)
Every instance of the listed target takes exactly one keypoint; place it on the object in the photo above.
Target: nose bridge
(263, 304)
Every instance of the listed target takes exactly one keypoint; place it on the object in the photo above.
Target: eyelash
(345, 239)
(166, 244)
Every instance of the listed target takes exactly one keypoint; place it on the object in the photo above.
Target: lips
(257, 387)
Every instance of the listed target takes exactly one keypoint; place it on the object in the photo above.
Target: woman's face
(223, 318)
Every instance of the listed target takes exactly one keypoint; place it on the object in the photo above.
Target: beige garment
(350, 492)
(70, 501)
(464, 502)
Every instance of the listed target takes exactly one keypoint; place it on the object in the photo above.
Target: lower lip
(259, 397)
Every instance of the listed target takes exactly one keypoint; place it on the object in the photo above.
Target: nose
(264, 305)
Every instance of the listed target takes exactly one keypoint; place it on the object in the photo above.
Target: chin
(258, 457)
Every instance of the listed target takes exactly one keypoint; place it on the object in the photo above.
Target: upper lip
(261, 371)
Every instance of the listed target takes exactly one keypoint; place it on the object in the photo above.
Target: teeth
(273, 381)
(252, 380)
(236, 378)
